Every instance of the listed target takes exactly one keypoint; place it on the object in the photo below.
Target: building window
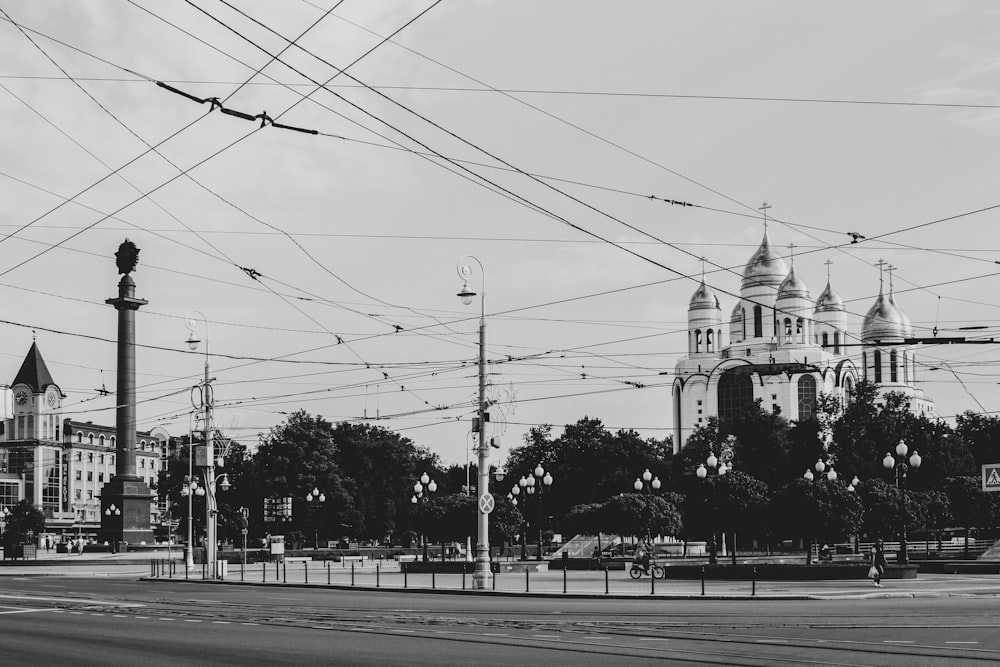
(112, 441)
(877, 363)
(90, 438)
(826, 339)
(90, 475)
(142, 463)
(758, 322)
(79, 436)
(743, 323)
(100, 477)
(735, 395)
(836, 342)
(79, 475)
(807, 397)
(90, 456)
(100, 441)
(893, 373)
(78, 494)
(709, 341)
(79, 456)
(90, 495)
(100, 458)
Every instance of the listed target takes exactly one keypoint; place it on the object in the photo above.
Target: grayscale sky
(546, 138)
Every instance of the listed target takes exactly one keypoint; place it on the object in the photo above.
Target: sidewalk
(387, 576)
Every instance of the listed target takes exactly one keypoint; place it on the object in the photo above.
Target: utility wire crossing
(217, 104)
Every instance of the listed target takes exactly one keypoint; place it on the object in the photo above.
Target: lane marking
(653, 639)
(249, 623)
(896, 641)
(771, 641)
(192, 620)
(961, 642)
(495, 634)
(22, 611)
(165, 619)
(221, 622)
(144, 618)
(545, 636)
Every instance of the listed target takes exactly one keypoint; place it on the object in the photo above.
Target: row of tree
(366, 476)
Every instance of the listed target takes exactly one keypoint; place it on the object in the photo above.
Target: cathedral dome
(792, 287)
(829, 300)
(704, 297)
(737, 314)
(766, 267)
(907, 325)
(883, 322)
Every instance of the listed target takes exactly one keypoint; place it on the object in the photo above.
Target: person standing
(878, 562)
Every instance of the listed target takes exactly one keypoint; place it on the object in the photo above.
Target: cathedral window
(709, 340)
(836, 342)
(697, 340)
(788, 330)
(906, 369)
(864, 364)
(79, 436)
(100, 441)
(877, 363)
(826, 339)
(758, 322)
(807, 397)
(735, 395)
(799, 331)
(893, 361)
(743, 322)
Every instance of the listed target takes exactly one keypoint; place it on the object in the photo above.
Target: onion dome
(882, 322)
(907, 325)
(792, 287)
(704, 297)
(737, 314)
(829, 300)
(766, 267)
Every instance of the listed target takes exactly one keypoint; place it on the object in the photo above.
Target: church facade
(780, 346)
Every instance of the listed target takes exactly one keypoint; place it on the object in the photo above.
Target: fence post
(753, 592)
(204, 569)
(405, 577)
(277, 571)
(652, 580)
(702, 579)
(606, 590)
(433, 577)
(495, 577)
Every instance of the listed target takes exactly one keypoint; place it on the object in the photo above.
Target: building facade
(58, 464)
(786, 349)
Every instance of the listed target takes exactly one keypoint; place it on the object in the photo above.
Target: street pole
(211, 511)
(483, 575)
(189, 558)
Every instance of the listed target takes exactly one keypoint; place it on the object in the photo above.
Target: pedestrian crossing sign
(991, 477)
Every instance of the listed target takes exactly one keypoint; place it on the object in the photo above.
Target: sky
(582, 156)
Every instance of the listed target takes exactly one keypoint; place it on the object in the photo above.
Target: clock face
(21, 396)
(52, 397)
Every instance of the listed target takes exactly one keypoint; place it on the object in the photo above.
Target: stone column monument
(125, 500)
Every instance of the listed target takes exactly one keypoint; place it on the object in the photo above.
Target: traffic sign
(486, 503)
(991, 477)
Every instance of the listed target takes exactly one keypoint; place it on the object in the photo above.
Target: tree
(981, 435)
(24, 521)
(642, 515)
(823, 510)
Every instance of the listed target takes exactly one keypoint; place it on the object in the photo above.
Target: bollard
(753, 592)
(204, 569)
(702, 579)
(284, 571)
(377, 569)
(495, 578)
(327, 573)
(263, 571)
(464, 565)
(564, 575)
(606, 580)
(305, 570)
(527, 581)
(352, 573)
(652, 580)
(405, 578)
(185, 571)
(433, 578)
(277, 571)
(242, 568)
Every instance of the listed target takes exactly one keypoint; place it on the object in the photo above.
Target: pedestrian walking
(878, 563)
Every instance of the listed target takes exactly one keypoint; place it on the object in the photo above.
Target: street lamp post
(545, 481)
(483, 575)
(822, 470)
(189, 490)
(900, 469)
(712, 462)
(650, 483)
(319, 497)
(425, 483)
(515, 491)
(205, 402)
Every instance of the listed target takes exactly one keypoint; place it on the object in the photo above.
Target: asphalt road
(59, 620)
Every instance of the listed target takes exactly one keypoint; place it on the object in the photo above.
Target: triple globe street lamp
(721, 466)
(425, 483)
(900, 468)
(318, 497)
(541, 479)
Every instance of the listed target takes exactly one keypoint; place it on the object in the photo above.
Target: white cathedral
(786, 349)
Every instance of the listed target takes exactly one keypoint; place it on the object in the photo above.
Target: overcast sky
(545, 138)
